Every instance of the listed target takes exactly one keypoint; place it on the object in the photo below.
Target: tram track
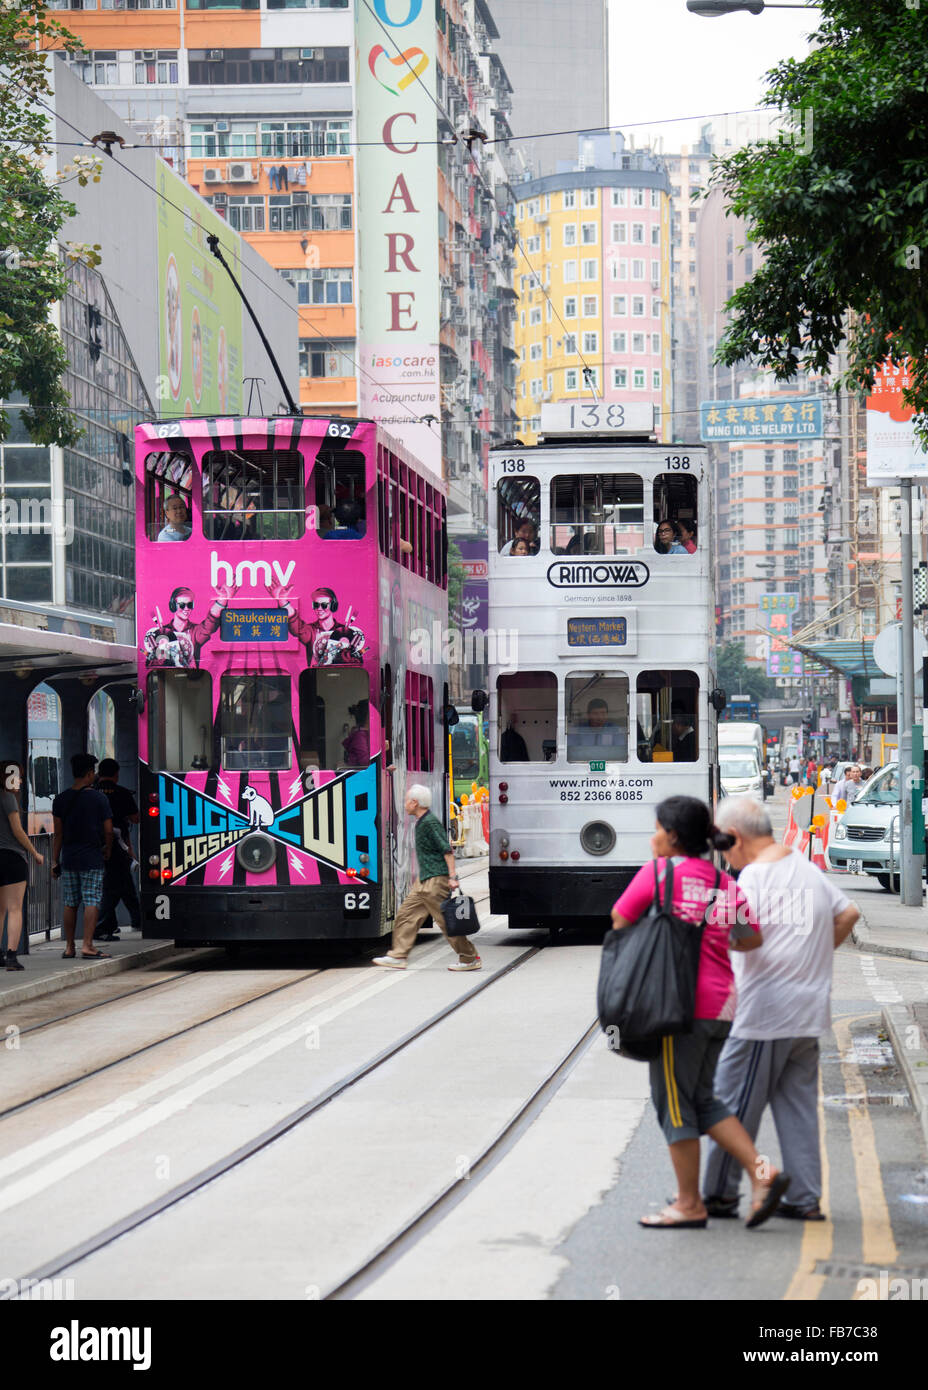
(218, 1169)
(258, 998)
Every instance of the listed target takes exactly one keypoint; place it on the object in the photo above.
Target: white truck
(790, 743)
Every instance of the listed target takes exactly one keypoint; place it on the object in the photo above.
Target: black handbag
(460, 915)
(647, 976)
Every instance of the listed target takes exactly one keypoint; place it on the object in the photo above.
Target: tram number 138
(357, 905)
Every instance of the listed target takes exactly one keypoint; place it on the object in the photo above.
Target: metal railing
(43, 893)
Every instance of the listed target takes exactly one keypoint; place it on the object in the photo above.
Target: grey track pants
(781, 1073)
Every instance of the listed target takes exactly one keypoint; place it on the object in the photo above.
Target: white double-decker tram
(601, 561)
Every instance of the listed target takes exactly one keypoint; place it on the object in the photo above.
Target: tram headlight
(153, 859)
(597, 837)
(256, 853)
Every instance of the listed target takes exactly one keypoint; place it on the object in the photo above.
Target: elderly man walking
(771, 1055)
(435, 861)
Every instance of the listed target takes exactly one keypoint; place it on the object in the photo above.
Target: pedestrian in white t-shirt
(771, 1055)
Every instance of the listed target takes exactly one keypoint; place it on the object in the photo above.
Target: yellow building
(594, 284)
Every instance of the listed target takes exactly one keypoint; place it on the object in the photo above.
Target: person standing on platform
(82, 843)
(435, 861)
(15, 851)
(118, 883)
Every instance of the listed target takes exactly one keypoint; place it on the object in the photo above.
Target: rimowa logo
(598, 574)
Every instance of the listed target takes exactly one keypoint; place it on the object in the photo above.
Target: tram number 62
(357, 904)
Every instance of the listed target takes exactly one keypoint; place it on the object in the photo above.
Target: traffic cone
(818, 849)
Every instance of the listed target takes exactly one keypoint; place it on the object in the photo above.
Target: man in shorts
(82, 844)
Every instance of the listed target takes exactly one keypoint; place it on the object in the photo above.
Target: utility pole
(910, 893)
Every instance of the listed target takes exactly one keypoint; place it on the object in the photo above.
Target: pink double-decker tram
(291, 581)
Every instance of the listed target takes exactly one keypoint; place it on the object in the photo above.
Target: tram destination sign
(598, 574)
(597, 417)
(597, 632)
(254, 625)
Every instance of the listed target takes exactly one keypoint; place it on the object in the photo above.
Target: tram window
(596, 716)
(420, 723)
(334, 718)
(168, 497)
(675, 498)
(180, 720)
(668, 719)
(341, 506)
(526, 716)
(518, 513)
(255, 721)
(597, 514)
(253, 495)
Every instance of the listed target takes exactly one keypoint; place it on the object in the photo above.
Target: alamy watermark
(474, 647)
(38, 516)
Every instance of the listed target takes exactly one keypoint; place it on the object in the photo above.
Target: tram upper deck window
(255, 721)
(596, 716)
(180, 720)
(334, 718)
(527, 716)
(253, 495)
(675, 513)
(168, 496)
(341, 511)
(597, 514)
(668, 720)
(518, 513)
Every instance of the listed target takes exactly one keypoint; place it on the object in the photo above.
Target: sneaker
(475, 964)
(13, 962)
(390, 962)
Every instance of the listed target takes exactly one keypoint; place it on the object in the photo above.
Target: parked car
(741, 775)
(866, 838)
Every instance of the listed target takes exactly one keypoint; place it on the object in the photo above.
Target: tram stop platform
(44, 971)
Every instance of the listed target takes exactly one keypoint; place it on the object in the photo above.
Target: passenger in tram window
(687, 532)
(682, 736)
(667, 540)
(326, 521)
(525, 531)
(596, 731)
(177, 526)
(349, 524)
(582, 542)
(520, 547)
(512, 746)
(357, 745)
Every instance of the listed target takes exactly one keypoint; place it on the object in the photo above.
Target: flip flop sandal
(668, 1219)
(798, 1214)
(770, 1203)
(96, 955)
(69, 955)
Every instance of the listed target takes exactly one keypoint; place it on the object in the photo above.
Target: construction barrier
(792, 829)
(472, 843)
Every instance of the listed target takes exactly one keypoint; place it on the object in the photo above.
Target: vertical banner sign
(398, 299)
(893, 452)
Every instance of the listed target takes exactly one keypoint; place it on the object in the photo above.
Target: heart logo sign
(413, 60)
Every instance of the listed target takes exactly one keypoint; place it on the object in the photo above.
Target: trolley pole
(910, 890)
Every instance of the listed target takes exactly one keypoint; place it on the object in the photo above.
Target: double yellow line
(878, 1245)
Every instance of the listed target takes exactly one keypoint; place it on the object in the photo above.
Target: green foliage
(841, 210)
(32, 212)
(456, 577)
(736, 677)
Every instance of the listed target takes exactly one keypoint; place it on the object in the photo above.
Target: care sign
(398, 264)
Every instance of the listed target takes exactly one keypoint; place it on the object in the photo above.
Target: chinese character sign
(892, 450)
(796, 418)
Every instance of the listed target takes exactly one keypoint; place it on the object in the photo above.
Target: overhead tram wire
(419, 419)
(483, 183)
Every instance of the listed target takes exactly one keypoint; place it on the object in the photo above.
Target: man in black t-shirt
(82, 843)
(118, 883)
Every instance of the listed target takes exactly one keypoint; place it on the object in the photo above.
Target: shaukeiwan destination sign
(795, 417)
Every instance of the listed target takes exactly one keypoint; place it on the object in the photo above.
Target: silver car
(740, 774)
(866, 838)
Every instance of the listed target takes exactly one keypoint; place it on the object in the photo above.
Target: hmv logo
(247, 571)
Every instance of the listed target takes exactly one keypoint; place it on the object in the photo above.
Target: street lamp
(711, 9)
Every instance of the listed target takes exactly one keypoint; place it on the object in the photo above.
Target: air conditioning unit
(213, 175)
(241, 173)
(312, 54)
(221, 127)
(215, 55)
(459, 314)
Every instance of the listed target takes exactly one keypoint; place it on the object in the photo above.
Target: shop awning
(849, 658)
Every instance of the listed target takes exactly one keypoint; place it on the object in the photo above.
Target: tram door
(390, 866)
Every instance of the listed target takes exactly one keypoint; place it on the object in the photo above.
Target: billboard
(474, 599)
(893, 452)
(200, 312)
(398, 268)
(790, 418)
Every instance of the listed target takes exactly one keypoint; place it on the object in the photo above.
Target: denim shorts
(82, 886)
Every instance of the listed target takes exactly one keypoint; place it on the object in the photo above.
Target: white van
(740, 738)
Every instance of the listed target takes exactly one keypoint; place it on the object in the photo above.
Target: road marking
(817, 1236)
(878, 1245)
(75, 1158)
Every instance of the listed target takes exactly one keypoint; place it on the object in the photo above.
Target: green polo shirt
(431, 847)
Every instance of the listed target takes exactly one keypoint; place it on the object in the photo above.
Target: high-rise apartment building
(557, 62)
(593, 283)
(256, 104)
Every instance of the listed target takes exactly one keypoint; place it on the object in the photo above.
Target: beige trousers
(425, 900)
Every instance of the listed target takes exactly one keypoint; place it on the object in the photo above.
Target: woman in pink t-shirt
(682, 1076)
